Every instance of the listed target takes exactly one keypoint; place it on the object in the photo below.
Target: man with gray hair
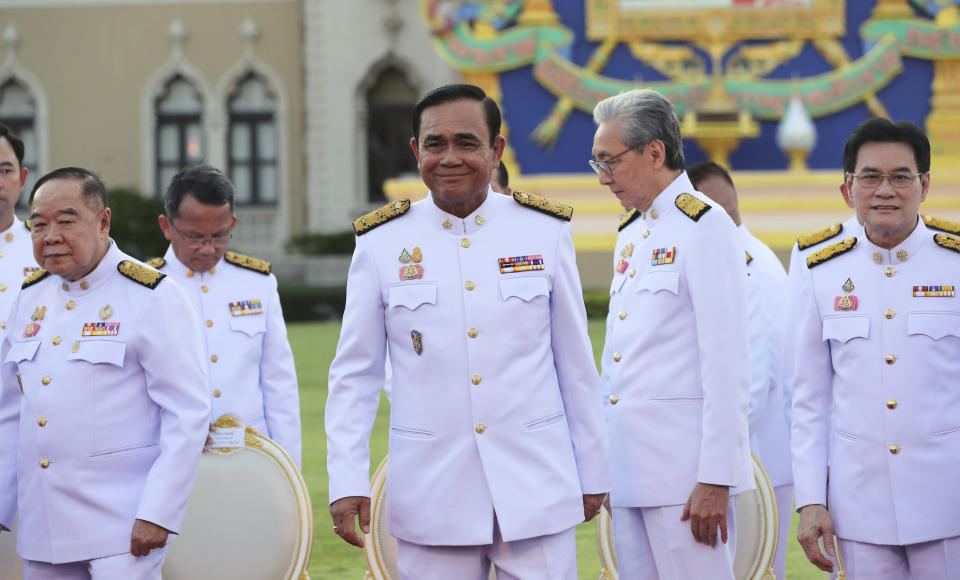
(676, 370)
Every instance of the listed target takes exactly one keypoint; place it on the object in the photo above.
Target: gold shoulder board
(628, 219)
(542, 204)
(948, 242)
(143, 276)
(693, 207)
(380, 216)
(38, 274)
(156, 263)
(831, 251)
(248, 262)
(810, 240)
(27, 225)
(941, 224)
(749, 257)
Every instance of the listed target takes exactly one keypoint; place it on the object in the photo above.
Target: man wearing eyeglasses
(875, 386)
(676, 370)
(249, 362)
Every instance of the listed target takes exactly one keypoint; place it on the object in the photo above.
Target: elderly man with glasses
(676, 371)
(249, 361)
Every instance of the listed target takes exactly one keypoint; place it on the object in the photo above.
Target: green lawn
(332, 559)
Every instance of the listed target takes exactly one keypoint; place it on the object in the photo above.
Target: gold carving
(628, 219)
(380, 216)
(817, 237)
(140, 274)
(251, 437)
(941, 224)
(691, 206)
(830, 252)
(248, 262)
(948, 242)
(542, 204)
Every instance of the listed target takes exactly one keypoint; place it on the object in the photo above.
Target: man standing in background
(16, 251)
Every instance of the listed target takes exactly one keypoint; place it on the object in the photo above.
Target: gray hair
(647, 116)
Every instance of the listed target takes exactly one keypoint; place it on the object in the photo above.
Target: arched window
(252, 142)
(18, 112)
(180, 140)
(389, 106)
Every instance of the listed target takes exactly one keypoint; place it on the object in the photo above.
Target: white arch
(11, 69)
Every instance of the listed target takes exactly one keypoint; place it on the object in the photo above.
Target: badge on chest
(246, 307)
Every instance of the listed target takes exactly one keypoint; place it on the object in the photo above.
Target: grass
(314, 345)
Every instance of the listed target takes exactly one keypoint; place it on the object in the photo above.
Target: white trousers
(552, 557)
(653, 544)
(119, 567)
(784, 495)
(936, 560)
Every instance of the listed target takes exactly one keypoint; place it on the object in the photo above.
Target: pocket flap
(100, 351)
(658, 280)
(23, 350)
(843, 328)
(525, 288)
(412, 295)
(936, 325)
(249, 325)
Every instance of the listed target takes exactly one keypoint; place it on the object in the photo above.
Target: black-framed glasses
(897, 179)
(606, 165)
(197, 242)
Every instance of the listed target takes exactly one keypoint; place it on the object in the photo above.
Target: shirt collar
(179, 270)
(901, 252)
(664, 202)
(104, 270)
(471, 224)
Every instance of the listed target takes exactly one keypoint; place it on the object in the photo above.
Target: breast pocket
(250, 325)
(525, 288)
(845, 328)
(936, 325)
(412, 296)
(22, 351)
(660, 281)
(96, 352)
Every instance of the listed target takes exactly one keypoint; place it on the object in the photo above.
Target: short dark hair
(449, 93)
(15, 142)
(699, 172)
(880, 130)
(503, 178)
(93, 189)
(205, 183)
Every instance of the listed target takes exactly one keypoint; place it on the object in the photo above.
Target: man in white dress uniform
(16, 251)
(877, 361)
(248, 358)
(103, 394)
(676, 368)
(766, 302)
(497, 442)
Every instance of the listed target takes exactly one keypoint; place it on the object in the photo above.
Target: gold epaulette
(248, 262)
(948, 242)
(941, 224)
(810, 240)
(691, 206)
(38, 274)
(143, 276)
(749, 257)
(628, 219)
(156, 263)
(831, 251)
(380, 216)
(542, 204)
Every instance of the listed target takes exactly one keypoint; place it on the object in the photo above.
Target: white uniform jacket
(103, 411)
(766, 302)
(676, 368)
(248, 357)
(495, 400)
(876, 394)
(16, 263)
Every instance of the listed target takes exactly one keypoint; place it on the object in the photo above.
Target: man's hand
(146, 537)
(591, 505)
(706, 509)
(343, 511)
(815, 522)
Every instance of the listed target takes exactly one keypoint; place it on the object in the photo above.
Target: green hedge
(133, 223)
(314, 244)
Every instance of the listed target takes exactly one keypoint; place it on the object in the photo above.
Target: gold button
(3, 287)
(633, 272)
(889, 313)
(213, 358)
(42, 421)
(473, 332)
(204, 289)
(480, 428)
(56, 340)
(3, 325)
(480, 219)
(890, 271)
(84, 284)
(64, 286)
(469, 285)
(617, 356)
(45, 380)
(216, 393)
(646, 234)
(44, 463)
(465, 243)
(189, 273)
(654, 214)
(892, 404)
(902, 255)
(890, 359)
(213, 270)
(446, 223)
(71, 304)
(76, 346)
(877, 257)
(475, 379)
(209, 323)
(622, 315)
(894, 449)
(614, 399)
(8, 237)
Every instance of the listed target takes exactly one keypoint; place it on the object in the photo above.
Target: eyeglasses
(898, 180)
(606, 165)
(197, 242)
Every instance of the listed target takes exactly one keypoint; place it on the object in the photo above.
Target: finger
(723, 530)
(686, 511)
(828, 542)
(711, 534)
(365, 516)
(812, 551)
(695, 528)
